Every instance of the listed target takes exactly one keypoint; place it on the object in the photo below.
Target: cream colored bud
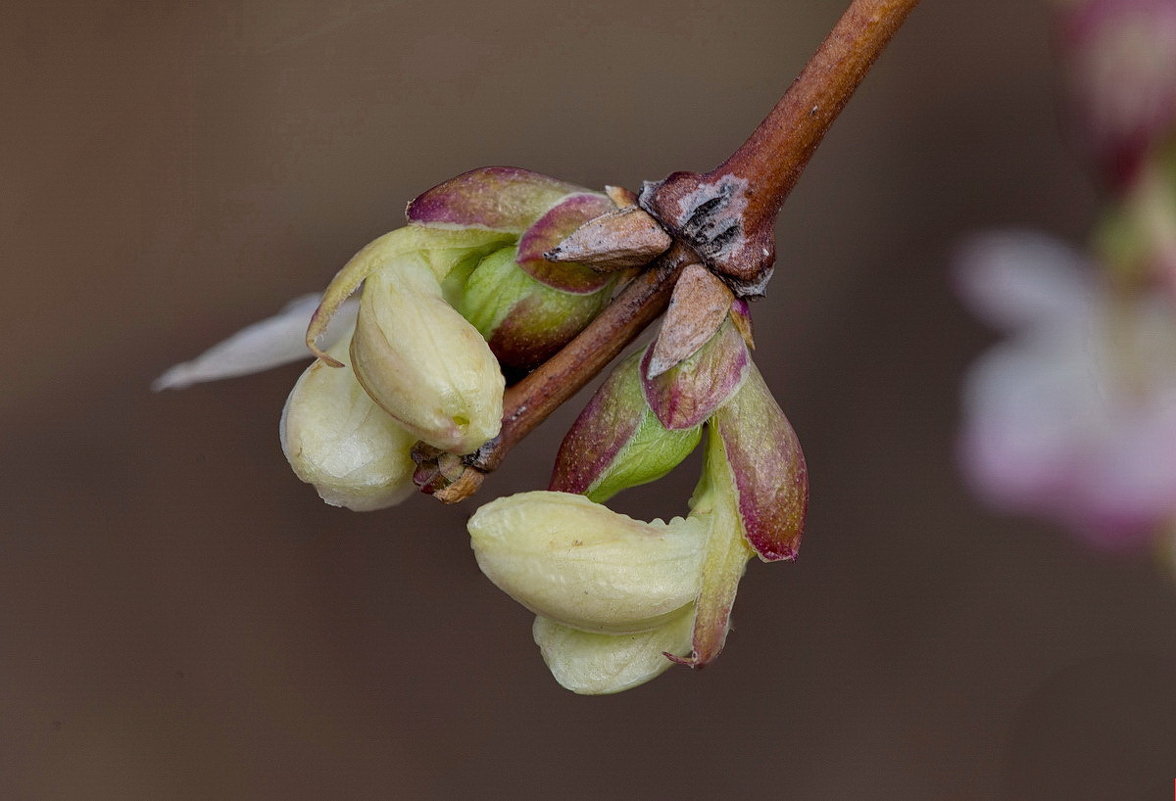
(423, 362)
(581, 564)
(337, 439)
(598, 664)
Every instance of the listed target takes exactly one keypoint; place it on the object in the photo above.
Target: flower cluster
(478, 289)
(447, 303)
(613, 596)
(1074, 417)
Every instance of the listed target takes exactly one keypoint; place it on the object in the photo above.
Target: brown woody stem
(726, 217)
(776, 153)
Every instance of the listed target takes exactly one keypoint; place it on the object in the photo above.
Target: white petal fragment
(270, 343)
(584, 565)
(599, 664)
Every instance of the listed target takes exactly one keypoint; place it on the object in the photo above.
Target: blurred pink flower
(1073, 417)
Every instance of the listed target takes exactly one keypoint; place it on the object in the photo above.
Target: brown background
(180, 618)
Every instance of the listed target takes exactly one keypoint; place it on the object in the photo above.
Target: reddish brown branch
(728, 214)
(726, 217)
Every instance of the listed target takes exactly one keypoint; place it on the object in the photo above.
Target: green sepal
(651, 452)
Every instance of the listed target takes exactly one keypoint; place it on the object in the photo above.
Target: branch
(728, 214)
(724, 218)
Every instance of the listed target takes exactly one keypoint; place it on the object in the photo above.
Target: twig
(728, 214)
(724, 218)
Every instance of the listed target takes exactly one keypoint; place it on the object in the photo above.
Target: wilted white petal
(423, 362)
(598, 664)
(1014, 279)
(340, 441)
(270, 343)
(584, 565)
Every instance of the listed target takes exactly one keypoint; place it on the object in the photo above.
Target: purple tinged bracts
(697, 308)
(617, 442)
(767, 467)
(625, 237)
(524, 321)
(551, 229)
(496, 198)
(690, 392)
(526, 307)
(600, 432)
(482, 236)
(534, 331)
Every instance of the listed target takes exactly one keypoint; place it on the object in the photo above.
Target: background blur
(181, 618)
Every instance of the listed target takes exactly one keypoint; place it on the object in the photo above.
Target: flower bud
(596, 664)
(526, 307)
(340, 441)
(524, 320)
(423, 363)
(617, 442)
(583, 565)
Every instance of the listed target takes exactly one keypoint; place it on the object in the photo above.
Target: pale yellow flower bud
(423, 362)
(581, 564)
(336, 438)
(597, 664)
